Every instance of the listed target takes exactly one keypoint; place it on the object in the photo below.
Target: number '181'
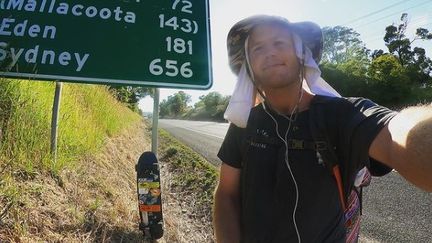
(179, 45)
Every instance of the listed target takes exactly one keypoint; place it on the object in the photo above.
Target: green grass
(88, 115)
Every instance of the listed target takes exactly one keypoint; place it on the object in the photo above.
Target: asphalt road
(393, 210)
(203, 137)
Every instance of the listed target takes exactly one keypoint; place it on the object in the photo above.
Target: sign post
(155, 122)
(54, 120)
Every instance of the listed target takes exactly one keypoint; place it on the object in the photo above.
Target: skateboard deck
(149, 196)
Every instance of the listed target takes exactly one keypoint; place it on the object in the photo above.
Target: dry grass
(182, 222)
(188, 182)
(94, 202)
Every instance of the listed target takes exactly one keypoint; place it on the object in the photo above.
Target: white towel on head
(315, 83)
(242, 100)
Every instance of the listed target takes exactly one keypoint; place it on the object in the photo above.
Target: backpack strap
(338, 178)
(326, 153)
(349, 197)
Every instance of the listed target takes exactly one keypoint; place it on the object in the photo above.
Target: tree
(130, 95)
(397, 42)
(179, 103)
(347, 78)
(211, 101)
(342, 44)
(210, 107)
(414, 60)
(423, 34)
(164, 109)
(421, 68)
(389, 81)
(175, 105)
(377, 53)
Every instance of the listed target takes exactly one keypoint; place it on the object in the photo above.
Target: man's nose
(271, 51)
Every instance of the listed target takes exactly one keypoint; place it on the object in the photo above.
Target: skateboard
(149, 196)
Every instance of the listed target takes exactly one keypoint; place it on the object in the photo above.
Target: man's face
(272, 56)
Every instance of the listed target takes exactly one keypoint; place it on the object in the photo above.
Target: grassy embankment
(89, 194)
(88, 115)
(189, 182)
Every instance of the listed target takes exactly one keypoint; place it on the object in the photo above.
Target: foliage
(344, 80)
(88, 114)
(385, 81)
(130, 95)
(392, 78)
(191, 172)
(342, 44)
(210, 107)
(175, 105)
(29, 177)
(397, 42)
(389, 80)
(414, 59)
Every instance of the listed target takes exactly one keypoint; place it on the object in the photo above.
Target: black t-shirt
(267, 189)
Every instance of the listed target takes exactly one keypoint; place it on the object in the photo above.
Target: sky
(367, 17)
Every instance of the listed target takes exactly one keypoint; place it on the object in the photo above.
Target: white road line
(208, 134)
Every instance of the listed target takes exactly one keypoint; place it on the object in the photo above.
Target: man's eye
(280, 43)
(257, 49)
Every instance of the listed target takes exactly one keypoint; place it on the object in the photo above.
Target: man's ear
(257, 96)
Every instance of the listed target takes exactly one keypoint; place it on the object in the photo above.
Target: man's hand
(406, 145)
(226, 216)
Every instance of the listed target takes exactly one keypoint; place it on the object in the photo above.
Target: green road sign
(160, 43)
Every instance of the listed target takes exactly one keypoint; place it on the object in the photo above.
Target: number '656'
(170, 68)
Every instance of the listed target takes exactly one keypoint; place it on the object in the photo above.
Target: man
(273, 190)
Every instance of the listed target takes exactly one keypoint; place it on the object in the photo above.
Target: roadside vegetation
(189, 182)
(89, 195)
(29, 179)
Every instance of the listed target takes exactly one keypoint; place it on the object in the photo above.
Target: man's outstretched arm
(405, 144)
(226, 212)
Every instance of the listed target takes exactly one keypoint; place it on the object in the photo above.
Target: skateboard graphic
(149, 196)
